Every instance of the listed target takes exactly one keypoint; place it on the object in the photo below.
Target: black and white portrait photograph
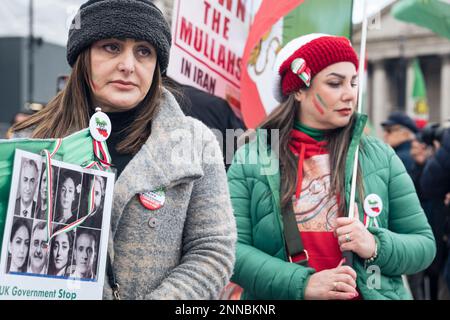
(42, 254)
(86, 252)
(95, 218)
(68, 196)
(41, 206)
(38, 256)
(26, 193)
(60, 253)
(19, 245)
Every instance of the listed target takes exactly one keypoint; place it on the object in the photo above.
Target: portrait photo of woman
(95, 219)
(41, 208)
(60, 253)
(69, 187)
(19, 245)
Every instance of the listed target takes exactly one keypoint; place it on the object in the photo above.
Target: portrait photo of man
(25, 204)
(85, 254)
(38, 249)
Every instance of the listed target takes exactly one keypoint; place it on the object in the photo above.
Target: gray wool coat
(189, 252)
(186, 249)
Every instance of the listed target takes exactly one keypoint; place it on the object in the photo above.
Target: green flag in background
(276, 23)
(419, 93)
(319, 16)
(430, 14)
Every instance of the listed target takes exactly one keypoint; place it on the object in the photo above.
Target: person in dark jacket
(435, 180)
(215, 113)
(420, 152)
(399, 132)
(435, 184)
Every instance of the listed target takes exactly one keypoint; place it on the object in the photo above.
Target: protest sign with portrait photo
(56, 230)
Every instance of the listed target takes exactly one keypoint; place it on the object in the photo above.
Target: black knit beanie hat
(135, 19)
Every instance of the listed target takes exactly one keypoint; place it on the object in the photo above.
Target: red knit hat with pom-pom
(302, 58)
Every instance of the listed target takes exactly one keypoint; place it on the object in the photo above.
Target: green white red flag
(275, 23)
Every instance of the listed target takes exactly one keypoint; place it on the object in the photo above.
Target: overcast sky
(52, 17)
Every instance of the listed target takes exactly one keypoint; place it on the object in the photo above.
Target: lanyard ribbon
(103, 163)
(370, 221)
(102, 156)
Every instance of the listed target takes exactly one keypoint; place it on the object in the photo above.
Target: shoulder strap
(112, 278)
(295, 250)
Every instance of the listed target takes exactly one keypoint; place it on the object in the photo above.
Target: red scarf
(304, 147)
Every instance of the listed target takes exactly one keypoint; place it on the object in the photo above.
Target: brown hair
(70, 109)
(338, 141)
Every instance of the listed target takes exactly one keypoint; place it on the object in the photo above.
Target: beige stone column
(380, 101)
(445, 88)
(409, 87)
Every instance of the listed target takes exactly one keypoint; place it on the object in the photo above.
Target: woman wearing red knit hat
(290, 190)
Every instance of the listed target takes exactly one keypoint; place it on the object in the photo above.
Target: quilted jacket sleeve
(408, 245)
(262, 275)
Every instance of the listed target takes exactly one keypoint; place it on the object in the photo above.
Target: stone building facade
(391, 47)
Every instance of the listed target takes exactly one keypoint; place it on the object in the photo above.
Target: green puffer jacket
(405, 241)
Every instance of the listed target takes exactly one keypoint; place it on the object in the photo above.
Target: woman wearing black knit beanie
(172, 229)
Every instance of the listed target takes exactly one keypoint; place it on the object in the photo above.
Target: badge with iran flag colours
(153, 200)
(373, 206)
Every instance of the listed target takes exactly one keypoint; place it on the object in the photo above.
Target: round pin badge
(153, 200)
(373, 205)
(100, 126)
(298, 65)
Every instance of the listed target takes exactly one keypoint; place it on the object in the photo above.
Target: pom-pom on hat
(302, 58)
(135, 19)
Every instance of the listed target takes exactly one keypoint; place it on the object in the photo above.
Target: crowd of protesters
(425, 154)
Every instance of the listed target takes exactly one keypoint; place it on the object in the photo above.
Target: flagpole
(362, 59)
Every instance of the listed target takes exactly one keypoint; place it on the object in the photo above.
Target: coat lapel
(157, 164)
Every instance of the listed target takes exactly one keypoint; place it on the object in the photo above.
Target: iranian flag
(419, 93)
(275, 23)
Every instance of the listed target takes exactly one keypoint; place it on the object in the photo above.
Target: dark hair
(88, 232)
(40, 225)
(64, 175)
(17, 224)
(70, 109)
(430, 133)
(338, 141)
(51, 265)
(40, 213)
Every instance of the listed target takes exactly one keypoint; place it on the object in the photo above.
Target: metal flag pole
(30, 53)
(362, 59)
(348, 255)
